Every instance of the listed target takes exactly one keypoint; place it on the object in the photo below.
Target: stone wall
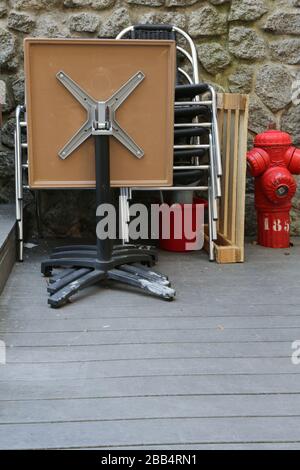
(245, 46)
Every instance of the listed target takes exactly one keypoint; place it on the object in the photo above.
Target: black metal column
(103, 191)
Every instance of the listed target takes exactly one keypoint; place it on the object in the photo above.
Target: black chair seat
(189, 153)
(190, 91)
(191, 132)
(192, 111)
(151, 31)
(185, 177)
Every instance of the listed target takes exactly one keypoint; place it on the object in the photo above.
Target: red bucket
(188, 215)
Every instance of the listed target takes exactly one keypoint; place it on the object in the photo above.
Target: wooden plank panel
(232, 101)
(227, 254)
(234, 173)
(226, 175)
(233, 119)
(223, 144)
(230, 177)
(241, 194)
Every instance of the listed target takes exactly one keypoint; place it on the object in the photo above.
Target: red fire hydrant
(273, 161)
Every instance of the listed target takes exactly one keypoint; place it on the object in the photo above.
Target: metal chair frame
(215, 166)
(21, 165)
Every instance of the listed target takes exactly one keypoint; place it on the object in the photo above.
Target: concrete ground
(119, 369)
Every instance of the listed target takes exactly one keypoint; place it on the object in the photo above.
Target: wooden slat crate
(233, 131)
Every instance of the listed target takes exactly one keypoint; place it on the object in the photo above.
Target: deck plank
(150, 432)
(149, 386)
(150, 367)
(138, 408)
(147, 351)
(85, 337)
(134, 324)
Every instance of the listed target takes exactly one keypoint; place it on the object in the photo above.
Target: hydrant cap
(271, 138)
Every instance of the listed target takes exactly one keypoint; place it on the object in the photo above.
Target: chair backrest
(171, 32)
(155, 31)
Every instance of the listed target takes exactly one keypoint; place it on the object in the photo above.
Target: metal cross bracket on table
(101, 115)
(87, 265)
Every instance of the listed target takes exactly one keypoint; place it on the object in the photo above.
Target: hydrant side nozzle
(292, 158)
(278, 185)
(258, 160)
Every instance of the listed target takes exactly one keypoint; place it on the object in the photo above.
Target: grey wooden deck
(116, 369)
(7, 241)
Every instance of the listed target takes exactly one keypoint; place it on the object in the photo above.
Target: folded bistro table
(91, 100)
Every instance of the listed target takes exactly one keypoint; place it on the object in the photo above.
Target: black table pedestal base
(129, 264)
